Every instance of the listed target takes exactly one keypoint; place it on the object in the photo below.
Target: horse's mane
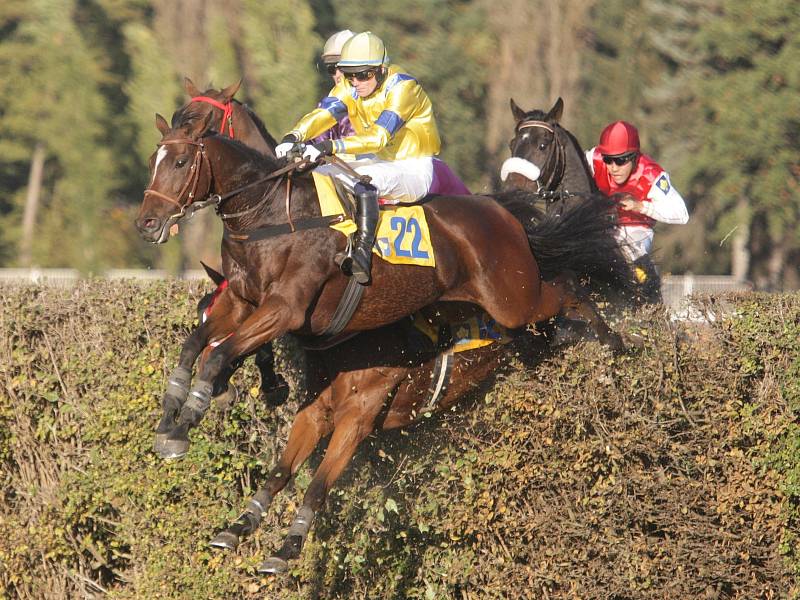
(262, 129)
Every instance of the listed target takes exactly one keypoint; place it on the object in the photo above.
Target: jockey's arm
(331, 110)
(666, 204)
(401, 104)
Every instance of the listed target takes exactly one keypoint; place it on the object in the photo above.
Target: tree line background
(714, 86)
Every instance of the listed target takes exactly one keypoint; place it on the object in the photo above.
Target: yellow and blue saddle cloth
(475, 332)
(402, 238)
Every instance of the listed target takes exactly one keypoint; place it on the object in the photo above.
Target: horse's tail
(579, 238)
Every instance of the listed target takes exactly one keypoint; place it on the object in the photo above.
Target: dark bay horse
(384, 379)
(289, 283)
(226, 115)
(547, 160)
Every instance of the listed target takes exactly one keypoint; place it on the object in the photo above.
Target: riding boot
(358, 261)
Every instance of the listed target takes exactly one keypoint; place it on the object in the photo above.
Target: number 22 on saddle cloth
(403, 237)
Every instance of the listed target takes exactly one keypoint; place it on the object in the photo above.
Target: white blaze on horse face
(162, 152)
(515, 164)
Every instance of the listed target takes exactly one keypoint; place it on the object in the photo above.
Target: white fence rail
(674, 288)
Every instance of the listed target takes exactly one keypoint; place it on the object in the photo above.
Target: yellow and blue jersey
(395, 122)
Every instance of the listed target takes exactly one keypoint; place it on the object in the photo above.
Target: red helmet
(619, 138)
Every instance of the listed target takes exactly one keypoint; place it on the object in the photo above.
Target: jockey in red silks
(644, 194)
(395, 140)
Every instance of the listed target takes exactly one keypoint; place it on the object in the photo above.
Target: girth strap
(347, 307)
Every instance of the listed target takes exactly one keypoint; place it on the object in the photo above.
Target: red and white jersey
(648, 183)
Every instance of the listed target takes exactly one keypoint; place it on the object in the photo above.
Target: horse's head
(219, 103)
(179, 174)
(536, 150)
(230, 117)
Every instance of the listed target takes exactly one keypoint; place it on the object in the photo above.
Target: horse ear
(518, 113)
(191, 88)
(215, 275)
(554, 116)
(161, 124)
(230, 91)
(197, 127)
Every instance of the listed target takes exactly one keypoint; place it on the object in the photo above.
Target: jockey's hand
(315, 151)
(289, 145)
(628, 202)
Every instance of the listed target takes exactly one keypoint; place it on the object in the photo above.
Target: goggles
(360, 76)
(331, 68)
(619, 160)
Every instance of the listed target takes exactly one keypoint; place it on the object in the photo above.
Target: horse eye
(180, 162)
(543, 145)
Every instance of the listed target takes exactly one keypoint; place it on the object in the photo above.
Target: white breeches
(635, 240)
(398, 180)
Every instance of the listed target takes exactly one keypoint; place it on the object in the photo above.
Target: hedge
(669, 472)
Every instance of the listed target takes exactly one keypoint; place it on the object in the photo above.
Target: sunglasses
(619, 160)
(331, 68)
(360, 76)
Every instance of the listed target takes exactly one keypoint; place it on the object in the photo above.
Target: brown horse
(383, 379)
(227, 116)
(288, 282)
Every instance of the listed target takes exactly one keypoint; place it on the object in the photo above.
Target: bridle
(191, 183)
(555, 163)
(227, 113)
(218, 200)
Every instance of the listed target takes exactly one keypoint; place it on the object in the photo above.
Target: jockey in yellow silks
(394, 143)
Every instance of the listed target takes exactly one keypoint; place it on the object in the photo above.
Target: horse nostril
(148, 225)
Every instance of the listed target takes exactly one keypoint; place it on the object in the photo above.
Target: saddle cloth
(403, 237)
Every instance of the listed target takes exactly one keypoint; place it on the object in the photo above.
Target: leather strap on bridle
(556, 158)
(227, 112)
(191, 181)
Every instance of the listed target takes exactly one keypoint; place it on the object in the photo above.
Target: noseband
(555, 163)
(191, 182)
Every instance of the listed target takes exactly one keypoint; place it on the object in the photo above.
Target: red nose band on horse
(227, 112)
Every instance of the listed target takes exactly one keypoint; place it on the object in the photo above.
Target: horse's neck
(577, 177)
(253, 133)
(235, 166)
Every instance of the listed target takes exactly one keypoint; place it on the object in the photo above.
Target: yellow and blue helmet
(363, 51)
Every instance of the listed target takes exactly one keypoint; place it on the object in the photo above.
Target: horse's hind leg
(353, 423)
(564, 295)
(311, 424)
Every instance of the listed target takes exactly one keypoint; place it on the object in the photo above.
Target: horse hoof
(276, 396)
(173, 448)
(274, 566)
(225, 540)
(158, 442)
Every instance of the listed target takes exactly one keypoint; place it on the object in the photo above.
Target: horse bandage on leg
(200, 397)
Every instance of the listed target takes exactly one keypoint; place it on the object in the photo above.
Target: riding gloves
(313, 152)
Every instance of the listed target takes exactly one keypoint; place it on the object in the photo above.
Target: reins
(218, 200)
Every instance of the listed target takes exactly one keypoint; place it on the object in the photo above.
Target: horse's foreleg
(369, 391)
(270, 320)
(178, 383)
(564, 295)
(274, 387)
(311, 424)
(172, 435)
